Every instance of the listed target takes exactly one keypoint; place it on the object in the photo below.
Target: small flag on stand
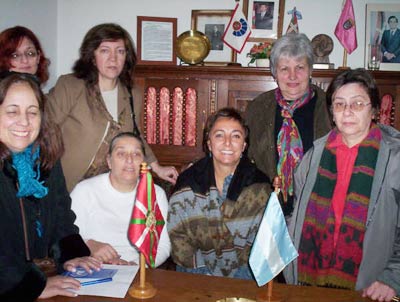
(345, 29)
(293, 25)
(147, 221)
(238, 30)
(272, 248)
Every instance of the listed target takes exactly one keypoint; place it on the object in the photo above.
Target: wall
(62, 24)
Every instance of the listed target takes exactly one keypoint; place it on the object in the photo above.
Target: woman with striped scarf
(345, 223)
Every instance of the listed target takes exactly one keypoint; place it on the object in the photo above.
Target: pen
(96, 281)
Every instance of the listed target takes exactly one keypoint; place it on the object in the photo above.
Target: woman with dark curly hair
(95, 103)
(37, 222)
(20, 51)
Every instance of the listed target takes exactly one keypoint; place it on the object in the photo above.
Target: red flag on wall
(147, 221)
(238, 30)
(293, 25)
(345, 29)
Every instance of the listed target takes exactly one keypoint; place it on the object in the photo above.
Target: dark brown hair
(84, 68)
(10, 39)
(357, 76)
(49, 137)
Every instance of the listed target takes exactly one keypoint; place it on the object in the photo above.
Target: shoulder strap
(136, 130)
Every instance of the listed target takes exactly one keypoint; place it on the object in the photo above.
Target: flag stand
(144, 290)
(344, 60)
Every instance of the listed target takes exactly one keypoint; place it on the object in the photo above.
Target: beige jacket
(84, 125)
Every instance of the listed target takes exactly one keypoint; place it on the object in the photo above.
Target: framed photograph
(213, 24)
(156, 38)
(265, 18)
(382, 38)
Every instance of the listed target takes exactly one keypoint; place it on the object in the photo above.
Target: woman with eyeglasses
(345, 223)
(20, 51)
(95, 103)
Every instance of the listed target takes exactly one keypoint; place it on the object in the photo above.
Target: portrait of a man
(214, 33)
(390, 43)
(264, 15)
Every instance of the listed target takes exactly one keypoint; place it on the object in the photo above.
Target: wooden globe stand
(143, 290)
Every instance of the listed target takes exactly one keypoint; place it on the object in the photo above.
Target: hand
(167, 173)
(118, 261)
(60, 286)
(379, 291)
(102, 251)
(87, 263)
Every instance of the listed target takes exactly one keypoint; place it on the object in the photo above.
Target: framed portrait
(156, 39)
(213, 24)
(382, 36)
(265, 18)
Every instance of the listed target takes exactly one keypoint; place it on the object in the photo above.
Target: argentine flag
(272, 248)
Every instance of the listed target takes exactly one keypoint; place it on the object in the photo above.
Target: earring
(210, 154)
(241, 155)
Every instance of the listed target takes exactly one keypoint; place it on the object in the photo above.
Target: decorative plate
(192, 47)
(322, 45)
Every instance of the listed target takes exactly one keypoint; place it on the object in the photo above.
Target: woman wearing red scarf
(345, 224)
(285, 121)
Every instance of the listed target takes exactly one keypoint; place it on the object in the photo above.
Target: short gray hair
(292, 45)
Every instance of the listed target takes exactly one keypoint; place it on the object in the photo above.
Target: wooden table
(183, 287)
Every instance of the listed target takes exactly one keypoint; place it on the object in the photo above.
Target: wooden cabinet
(215, 87)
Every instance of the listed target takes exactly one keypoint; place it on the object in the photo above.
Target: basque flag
(272, 248)
(238, 30)
(147, 221)
(345, 29)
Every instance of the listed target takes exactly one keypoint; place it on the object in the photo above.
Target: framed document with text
(156, 38)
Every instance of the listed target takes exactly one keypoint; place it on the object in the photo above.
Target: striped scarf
(289, 144)
(321, 263)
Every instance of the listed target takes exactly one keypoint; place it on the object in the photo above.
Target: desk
(183, 287)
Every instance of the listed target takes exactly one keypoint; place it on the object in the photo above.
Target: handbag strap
(136, 130)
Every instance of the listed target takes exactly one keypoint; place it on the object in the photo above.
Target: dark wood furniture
(220, 86)
(183, 287)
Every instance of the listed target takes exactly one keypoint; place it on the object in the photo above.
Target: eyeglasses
(31, 54)
(354, 107)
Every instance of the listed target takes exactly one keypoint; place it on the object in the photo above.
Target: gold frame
(200, 20)
(257, 34)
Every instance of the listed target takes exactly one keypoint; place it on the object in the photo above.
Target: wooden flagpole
(269, 297)
(144, 290)
(344, 60)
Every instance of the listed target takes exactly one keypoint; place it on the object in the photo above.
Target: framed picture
(265, 18)
(156, 38)
(383, 36)
(213, 24)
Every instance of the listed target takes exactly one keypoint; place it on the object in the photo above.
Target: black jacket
(20, 278)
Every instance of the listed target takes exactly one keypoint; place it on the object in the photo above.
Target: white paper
(117, 288)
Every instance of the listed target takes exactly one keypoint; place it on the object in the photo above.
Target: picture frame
(265, 18)
(156, 40)
(378, 30)
(213, 24)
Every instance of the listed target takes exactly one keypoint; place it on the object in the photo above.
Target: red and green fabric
(147, 221)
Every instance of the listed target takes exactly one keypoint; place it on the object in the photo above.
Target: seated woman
(103, 204)
(218, 203)
(20, 51)
(345, 224)
(36, 218)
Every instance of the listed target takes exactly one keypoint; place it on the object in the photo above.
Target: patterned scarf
(289, 144)
(321, 263)
(28, 178)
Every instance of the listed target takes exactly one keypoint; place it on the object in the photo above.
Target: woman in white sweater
(103, 205)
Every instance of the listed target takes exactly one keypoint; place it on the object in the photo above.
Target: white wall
(41, 17)
(62, 24)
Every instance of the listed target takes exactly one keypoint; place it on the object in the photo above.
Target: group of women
(341, 201)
